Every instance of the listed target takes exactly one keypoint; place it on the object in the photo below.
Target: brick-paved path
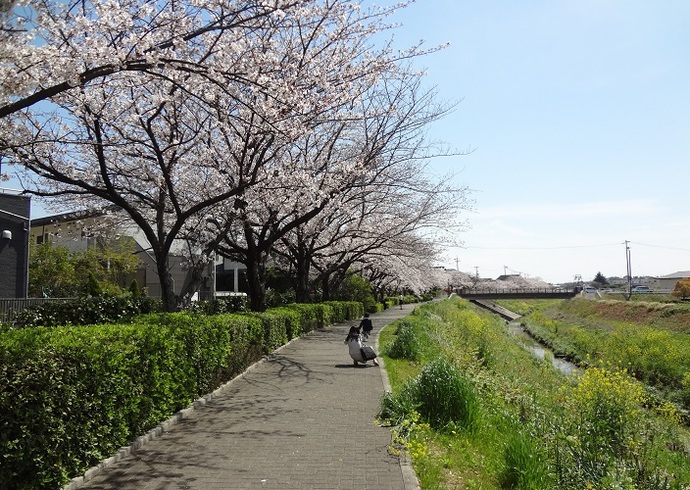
(303, 418)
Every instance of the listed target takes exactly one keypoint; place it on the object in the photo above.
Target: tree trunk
(167, 285)
(326, 287)
(256, 272)
(194, 280)
(302, 268)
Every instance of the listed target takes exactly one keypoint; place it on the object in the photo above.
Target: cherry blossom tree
(50, 48)
(411, 268)
(398, 229)
(186, 114)
(352, 159)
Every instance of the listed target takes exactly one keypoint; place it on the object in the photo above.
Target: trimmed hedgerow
(312, 316)
(345, 310)
(72, 395)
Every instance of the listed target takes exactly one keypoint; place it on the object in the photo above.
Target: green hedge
(88, 310)
(345, 310)
(72, 396)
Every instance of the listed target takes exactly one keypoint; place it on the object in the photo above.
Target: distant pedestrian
(400, 300)
(366, 326)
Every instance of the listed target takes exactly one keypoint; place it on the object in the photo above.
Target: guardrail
(10, 307)
(516, 293)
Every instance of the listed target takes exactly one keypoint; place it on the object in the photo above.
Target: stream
(539, 351)
(515, 329)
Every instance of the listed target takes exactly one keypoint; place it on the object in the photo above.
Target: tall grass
(447, 397)
(526, 465)
(405, 345)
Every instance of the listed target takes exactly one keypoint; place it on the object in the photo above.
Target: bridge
(517, 293)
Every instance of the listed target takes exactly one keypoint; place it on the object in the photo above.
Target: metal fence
(10, 307)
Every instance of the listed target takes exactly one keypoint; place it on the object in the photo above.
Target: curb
(408, 473)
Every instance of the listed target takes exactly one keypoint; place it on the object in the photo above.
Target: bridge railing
(517, 292)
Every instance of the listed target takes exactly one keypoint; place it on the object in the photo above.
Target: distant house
(68, 229)
(15, 210)
(668, 282)
(507, 277)
(74, 230)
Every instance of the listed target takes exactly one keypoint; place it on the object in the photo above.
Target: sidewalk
(302, 418)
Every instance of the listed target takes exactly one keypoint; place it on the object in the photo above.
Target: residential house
(668, 282)
(15, 216)
(75, 230)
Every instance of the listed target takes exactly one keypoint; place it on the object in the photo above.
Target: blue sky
(579, 116)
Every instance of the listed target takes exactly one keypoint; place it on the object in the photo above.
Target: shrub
(291, 319)
(682, 289)
(275, 298)
(405, 345)
(345, 310)
(356, 288)
(71, 396)
(312, 315)
(88, 310)
(447, 397)
(218, 306)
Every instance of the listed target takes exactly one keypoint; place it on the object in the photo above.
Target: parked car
(589, 289)
(641, 290)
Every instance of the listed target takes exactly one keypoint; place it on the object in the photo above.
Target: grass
(648, 339)
(531, 428)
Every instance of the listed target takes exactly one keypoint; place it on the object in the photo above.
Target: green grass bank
(476, 410)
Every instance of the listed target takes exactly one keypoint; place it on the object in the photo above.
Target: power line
(544, 248)
(564, 247)
(662, 247)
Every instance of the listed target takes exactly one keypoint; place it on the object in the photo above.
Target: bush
(405, 345)
(345, 310)
(276, 298)
(356, 288)
(90, 310)
(228, 304)
(71, 396)
(447, 397)
(312, 316)
(682, 289)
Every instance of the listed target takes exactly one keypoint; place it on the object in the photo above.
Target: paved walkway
(302, 418)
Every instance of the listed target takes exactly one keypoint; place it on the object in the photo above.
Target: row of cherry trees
(253, 129)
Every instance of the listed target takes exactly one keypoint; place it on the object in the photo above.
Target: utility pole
(629, 268)
(457, 260)
(476, 272)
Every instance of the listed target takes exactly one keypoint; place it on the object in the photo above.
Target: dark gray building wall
(14, 252)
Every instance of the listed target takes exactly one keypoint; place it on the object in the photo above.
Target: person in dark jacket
(366, 326)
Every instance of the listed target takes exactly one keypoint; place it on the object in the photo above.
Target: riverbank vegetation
(648, 339)
(475, 409)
